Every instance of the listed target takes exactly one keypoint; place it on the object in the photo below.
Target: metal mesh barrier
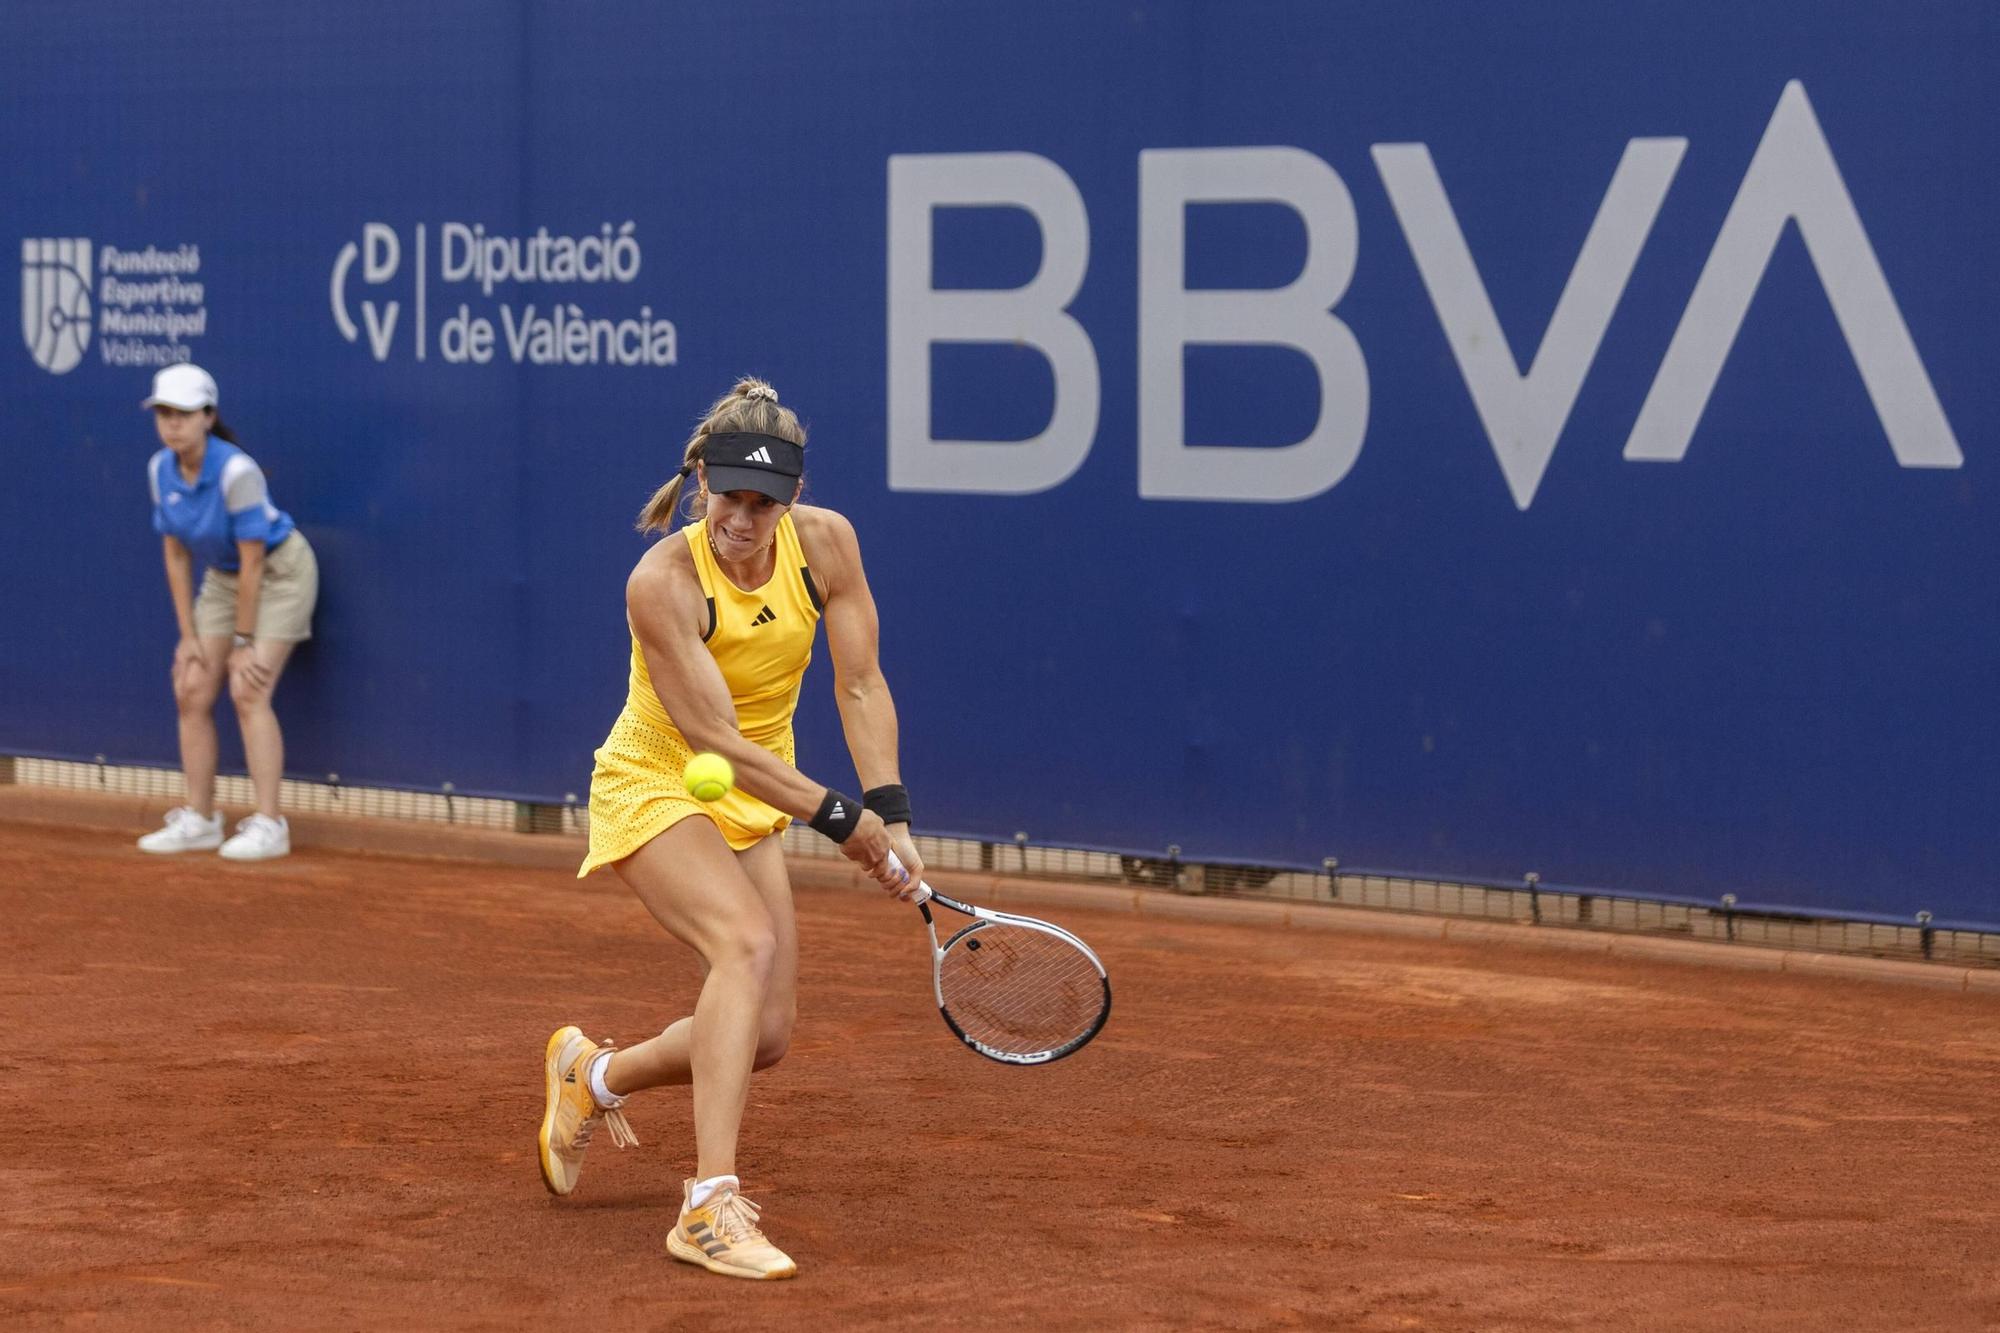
(1527, 903)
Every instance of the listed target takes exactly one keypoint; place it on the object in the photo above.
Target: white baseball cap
(186, 386)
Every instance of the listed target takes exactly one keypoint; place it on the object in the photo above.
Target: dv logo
(55, 301)
(381, 254)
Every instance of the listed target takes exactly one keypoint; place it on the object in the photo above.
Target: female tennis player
(210, 504)
(722, 628)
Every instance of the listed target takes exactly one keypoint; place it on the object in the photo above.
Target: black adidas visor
(741, 461)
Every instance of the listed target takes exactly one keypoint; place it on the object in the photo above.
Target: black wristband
(891, 800)
(838, 816)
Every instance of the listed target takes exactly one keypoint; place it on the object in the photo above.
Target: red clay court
(304, 1095)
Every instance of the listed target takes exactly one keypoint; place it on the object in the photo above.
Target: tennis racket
(1014, 989)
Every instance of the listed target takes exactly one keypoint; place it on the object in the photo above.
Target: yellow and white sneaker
(723, 1236)
(570, 1114)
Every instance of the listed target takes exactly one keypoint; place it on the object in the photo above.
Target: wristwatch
(241, 640)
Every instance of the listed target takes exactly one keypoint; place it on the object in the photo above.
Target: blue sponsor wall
(1766, 667)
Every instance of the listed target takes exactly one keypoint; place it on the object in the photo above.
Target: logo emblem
(764, 617)
(759, 455)
(55, 301)
(381, 254)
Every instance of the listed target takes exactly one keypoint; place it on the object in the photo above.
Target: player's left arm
(248, 501)
(853, 636)
(249, 589)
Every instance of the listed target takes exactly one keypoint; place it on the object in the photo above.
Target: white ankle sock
(705, 1189)
(606, 1098)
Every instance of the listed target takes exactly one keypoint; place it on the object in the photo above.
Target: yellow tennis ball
(708, 776)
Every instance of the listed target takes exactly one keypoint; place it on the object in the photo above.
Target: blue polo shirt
(228, 503)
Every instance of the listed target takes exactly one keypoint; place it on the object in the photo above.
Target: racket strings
(1020, 990)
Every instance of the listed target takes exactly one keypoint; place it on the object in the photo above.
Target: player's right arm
(664, 600)
(180, 586)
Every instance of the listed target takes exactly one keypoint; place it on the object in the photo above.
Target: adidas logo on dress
(764, 617)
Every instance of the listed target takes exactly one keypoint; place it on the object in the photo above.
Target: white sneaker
(259, 838)
(184, 831)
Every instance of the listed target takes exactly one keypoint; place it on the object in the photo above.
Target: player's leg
(694, 886)
(263, 742)
(266, 833)
(765, 865)
(664, 1060)
(195, 693)
(691, 882)
(195, 826)
(285, 602)
(214, 622)
(708, 898)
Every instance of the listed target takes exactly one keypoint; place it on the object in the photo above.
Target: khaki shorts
(285, 599)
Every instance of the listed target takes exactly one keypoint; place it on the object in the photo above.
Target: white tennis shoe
(259, 838)
(184, 831)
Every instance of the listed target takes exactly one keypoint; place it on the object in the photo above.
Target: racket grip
(923, 892)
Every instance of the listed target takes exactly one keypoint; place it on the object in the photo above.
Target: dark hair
(219, 428)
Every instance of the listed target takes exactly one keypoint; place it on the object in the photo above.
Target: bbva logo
(55, 300)
(1792, 180)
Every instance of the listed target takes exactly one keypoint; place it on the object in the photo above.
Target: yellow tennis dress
(762, 640)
